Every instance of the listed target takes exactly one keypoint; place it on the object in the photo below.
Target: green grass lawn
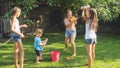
(107, 52)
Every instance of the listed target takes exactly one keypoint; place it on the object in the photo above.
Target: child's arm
(43, 43)
(85, 17)
(67, 24)
(83, 13)
(24, 25)
(87, 13)
(12, 27)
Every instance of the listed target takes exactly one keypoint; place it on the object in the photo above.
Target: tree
(25, 5)
(108, 10)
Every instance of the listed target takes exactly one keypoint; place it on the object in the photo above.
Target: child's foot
(37, 62)
(17, 66)
(74, 55)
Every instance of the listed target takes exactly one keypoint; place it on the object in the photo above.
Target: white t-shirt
(89, 33)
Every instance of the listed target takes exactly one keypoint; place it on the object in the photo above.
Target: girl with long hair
(91, 24)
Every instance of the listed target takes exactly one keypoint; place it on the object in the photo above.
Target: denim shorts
(16, 38)
(38, 52)
(91, 41)
(69, 33)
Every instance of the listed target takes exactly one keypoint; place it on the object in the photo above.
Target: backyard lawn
(107, 52)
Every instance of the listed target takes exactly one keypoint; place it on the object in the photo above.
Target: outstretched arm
(24, 25)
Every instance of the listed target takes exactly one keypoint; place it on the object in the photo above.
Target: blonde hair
(14, 10)
(38, 31)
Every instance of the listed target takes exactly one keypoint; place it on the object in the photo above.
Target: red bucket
(55, 55)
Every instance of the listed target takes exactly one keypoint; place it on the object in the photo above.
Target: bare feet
(74, 55)
(37, 62)
(17, 66)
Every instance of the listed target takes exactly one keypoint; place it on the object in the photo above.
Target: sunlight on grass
(107, 52)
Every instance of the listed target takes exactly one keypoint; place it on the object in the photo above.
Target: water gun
(73, 19)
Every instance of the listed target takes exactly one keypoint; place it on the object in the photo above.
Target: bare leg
(89, 53)
(73, 44)
(21, 54)
(66, 42)
(93, 52)
(41, 56)
(16, 50)
(37, 59)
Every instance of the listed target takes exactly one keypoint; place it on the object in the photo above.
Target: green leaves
(26, 5)
(108, 10)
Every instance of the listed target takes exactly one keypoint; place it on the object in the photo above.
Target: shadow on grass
(52, 38)
(6, 59)
(107, 49)
(69, 66)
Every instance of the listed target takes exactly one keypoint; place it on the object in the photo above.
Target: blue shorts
(69, 33)
(91, 41)
(38, 52)
(16, 38)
